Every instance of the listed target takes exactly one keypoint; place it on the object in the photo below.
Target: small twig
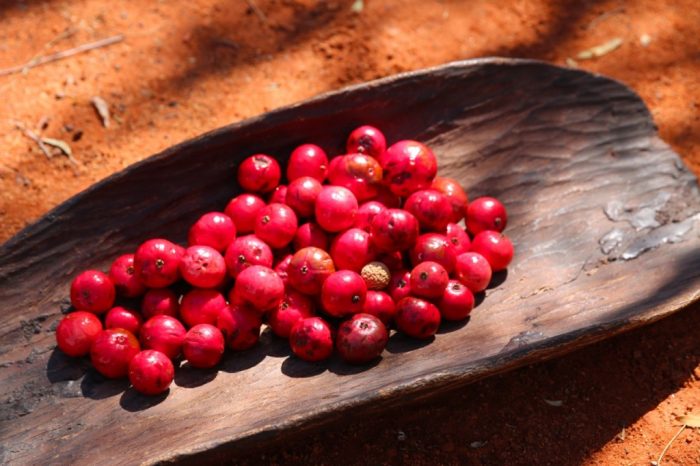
(34, 137)
(61, 55)
(668, 445)
(258, 12)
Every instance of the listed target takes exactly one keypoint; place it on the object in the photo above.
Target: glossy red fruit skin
(243, 209)
(400, 285)
(259, 287)
(473, 270)
(240, 326)
(294, 306)
(343, 293)
(380, 305)
(307, 160)
(278, 195)
(201, 306)
(458, 238)
(336, 208)
(408, 166)
(311, 339)
(203, 267)
(387, 198)
(281, 268)
(429, 280)
(310, 235)
(366, 140)
(276, 224)
(366, 212)
(203, 346)
(259, 173)
(393, 260)
(394, 230)
(76, 332)
(112, 351)
(163, 333)
(434, 247)
(417, 317)
(246, 251)
(121, 317)
(151, 372)
(160, 301)
(301, 195)
(495, 247)
(352, 250)
(360, 173)
(431, 208)
(157, 263)
(308, 269)
(213, 229)
(361, 339)
(455, 194)
(457, 301)
(486, 213)
(92, 291)
(123, 276)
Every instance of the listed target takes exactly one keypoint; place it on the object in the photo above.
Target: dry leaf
(65, 148)
(102, 109)
(600, 50)
(555, 403)
(690, 420)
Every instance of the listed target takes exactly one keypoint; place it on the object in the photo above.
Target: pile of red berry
(333, 259)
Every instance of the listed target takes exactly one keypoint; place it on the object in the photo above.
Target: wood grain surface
(602, 214)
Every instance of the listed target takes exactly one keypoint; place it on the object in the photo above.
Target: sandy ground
(184, 68)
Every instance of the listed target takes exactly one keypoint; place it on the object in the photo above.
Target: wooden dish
(602, 214)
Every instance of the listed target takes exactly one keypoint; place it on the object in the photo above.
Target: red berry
(242, 210)
(203, 346)
(301, 195)
(123, 276)
(486, 213)
(278, 195)
(240, 327)
(163, 333)
(380, 304)
(294, 306)
(366, 212)
(400, 285)
(259, 173)
(282, 266)
(310, 235)
(213, 229)
(393, 260)
(308, 270)
(366, 140)
(434, 247)
(112, 351)
(307, 160)
(203, 267)
(387, 198)
(431, 208)
(76, 332)
(343, 293)
(160, 301)
(120, 317)
(456, 195)
(157, 263)
(311, 339)
(408, 166)
(429, 279)
(201, 306)
(246, 251)
(360, 173)
(417, 318)
(336, 208)
(92, 291)
(361, 339)
(495, 247)
(394, 230)
(458, 238)
(259, 287)
(276, 224)
(473, 270)
(151, 372)
(457, 301)
(352, 250)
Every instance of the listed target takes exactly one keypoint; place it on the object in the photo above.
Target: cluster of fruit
(342, 252)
